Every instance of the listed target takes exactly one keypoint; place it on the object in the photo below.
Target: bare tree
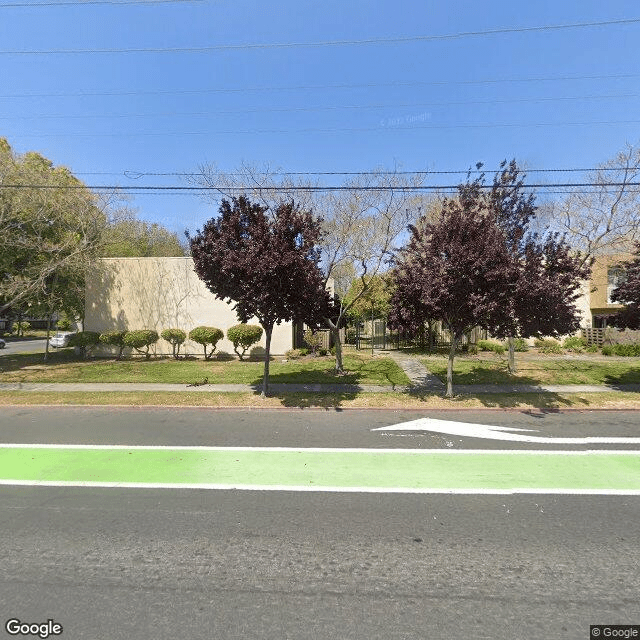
(362, 219)
(605, 219)
(362, 223)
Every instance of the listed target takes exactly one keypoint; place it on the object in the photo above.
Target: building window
(615, 277)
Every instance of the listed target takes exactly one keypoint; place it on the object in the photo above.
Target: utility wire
(82, 3)
(327, 43)
(431, 83)
(287, 189)
(390, 128)
(315, 109)
(135, 175)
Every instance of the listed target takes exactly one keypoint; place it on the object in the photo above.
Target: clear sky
(114, 89)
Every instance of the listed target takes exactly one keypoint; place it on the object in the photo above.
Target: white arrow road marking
(490, 432)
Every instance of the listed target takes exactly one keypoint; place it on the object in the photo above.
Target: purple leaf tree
(457, 270)
(266, 262)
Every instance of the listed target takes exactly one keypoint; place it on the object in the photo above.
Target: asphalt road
(148, 563)
(23, 346)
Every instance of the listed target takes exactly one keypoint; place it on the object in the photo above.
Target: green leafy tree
(50, 230)
(369, 297)
(128, 237)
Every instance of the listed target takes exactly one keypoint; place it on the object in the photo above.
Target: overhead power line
(48, 116)
(82, 3)
(327, 43)
(135, 175)
(379, 128)
(311, 87)
(289, 189)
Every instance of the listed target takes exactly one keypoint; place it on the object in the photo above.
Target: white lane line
(321, 489)
(107, 447)
(491, 432)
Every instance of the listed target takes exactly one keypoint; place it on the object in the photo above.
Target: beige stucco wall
(583, 304)
(599, 282)
(162, 293)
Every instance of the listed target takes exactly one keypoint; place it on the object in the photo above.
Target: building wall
(600, 287)
(162, 293)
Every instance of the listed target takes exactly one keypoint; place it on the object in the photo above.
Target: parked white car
(61, 339)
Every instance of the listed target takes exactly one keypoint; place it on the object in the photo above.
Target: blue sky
(551, 98)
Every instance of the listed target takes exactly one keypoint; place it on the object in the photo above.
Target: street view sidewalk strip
(363, 470)
(461, 389)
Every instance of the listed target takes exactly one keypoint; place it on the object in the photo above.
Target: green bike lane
(323, 469)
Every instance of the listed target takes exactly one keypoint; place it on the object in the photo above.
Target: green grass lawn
(472, 370)
(64, 366)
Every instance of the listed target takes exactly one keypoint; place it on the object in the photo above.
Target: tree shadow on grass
(484, 375)
(383, 372)
(628, 377)
(310, 376)
(18, 361)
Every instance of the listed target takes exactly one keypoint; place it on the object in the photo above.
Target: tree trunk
(46, 344)
(268, 330)
(512, 354)
(452, 353)
(335, 334)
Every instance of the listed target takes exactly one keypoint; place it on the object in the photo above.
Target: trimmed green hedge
(141, 340)
(114, 339)
(175, 337)
(244, 336)
(207, 336)
(86, 340)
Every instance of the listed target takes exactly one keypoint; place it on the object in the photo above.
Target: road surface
(113, 562)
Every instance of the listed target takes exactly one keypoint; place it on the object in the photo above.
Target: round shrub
(207, 336)
(520, 345)
(20, 327)
(175, 337)
(576, 344)
(86, 340)
(63, 324)
(141, 340)
(548, 346)
(114, 339)
(243, 336)
(313, 340)
(491, 345)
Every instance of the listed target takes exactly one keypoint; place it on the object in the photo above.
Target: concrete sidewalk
(461, 389)
(421, 381)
